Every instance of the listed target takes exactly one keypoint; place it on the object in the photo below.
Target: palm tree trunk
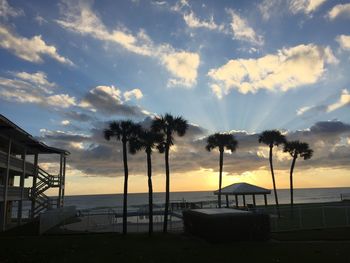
(291, 181)
(220, 176)
(274, 182)
(150, 193)
(167, 190)
(125, 199)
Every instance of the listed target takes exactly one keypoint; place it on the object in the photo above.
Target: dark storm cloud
(78, 116)
(108, 100)
(330, 127)
(97, 157)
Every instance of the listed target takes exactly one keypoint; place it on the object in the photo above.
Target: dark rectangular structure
(222, 225)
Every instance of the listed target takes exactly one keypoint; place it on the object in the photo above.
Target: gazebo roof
(243, 189)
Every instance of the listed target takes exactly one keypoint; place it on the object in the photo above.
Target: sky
(68, 68)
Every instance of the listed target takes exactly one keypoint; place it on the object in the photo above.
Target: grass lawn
(164, 248)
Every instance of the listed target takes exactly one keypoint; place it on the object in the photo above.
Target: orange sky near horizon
(204, 180)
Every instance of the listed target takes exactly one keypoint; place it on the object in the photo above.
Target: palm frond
(180, 126)
(113, 131)
(297, 148)
(168, 125)
(107, 134)
(221, 141)
(272, 138)
(135, 145)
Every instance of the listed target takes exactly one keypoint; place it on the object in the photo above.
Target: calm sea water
(306, 195)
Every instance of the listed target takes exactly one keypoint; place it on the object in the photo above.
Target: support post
(64, 180)
(21, 185)
(36, 169)
(227, 201)
(265, 199)
(254, 202)
(244, 200)
(6, 186)
(60, 182)
(236, 197)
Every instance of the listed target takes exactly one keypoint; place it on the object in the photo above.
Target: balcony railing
(16, 164)
(14, 193)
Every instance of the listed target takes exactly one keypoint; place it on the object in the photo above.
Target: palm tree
(147, 140)
(272, 138)
(222, 141)
(123, 131)
(296, 149)
(168, 125)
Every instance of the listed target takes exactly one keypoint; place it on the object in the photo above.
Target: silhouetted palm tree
(272, 138)
(222, 141)
(296, 149)
(147, 140)
(168, 125)
(123, 131)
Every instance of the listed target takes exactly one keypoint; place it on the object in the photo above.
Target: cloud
(242, 31)
(180, 5)
(101, 155)
(344, 41)
(30, 49)
(287, 69)
(193, 21)
(328, 139)
(80, 18)
(311, 111)
(344, 100)
(31, 82)
(216, 89)
(135, 93)
(33, 88)
(7, 11)
(38, 79)
(108, 100)
(159, 3)
(40, 20)
(61, 100)
(65, 122)
(302, 110)
(268, 8)
(305, 6)
(341, 10)
(334, 127)
(282, 8)
(184, 66)
(78, 116)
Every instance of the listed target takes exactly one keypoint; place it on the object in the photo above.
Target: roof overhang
(17, 134)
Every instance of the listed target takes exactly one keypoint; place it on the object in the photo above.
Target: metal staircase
(43, 183)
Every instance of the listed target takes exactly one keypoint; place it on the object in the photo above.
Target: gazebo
(243, 189)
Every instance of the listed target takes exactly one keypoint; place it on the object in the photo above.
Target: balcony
(14, 193)
(16, 164)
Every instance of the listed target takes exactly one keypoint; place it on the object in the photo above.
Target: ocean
(136, 200)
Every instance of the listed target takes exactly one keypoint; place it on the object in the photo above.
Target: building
(23, 182)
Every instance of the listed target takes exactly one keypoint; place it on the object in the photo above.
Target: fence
(111, 221)
(316, 217)
(345, 197)
(300, 218)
